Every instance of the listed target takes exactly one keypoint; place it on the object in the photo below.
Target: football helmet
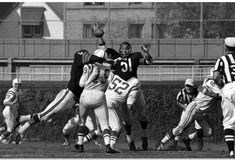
(125, 49)
(16, 82)
(100, 53)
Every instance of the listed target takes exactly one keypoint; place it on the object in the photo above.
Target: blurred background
(38, 39)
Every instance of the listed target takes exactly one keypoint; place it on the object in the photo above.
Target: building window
(159, 32)
(32, 22)
(88, 31)
(93, 3)
(135, 30)
(32, 31)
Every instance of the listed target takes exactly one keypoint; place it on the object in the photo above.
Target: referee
(224, 74)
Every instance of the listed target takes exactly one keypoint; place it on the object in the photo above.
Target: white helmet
(16, 81)
(99, 53)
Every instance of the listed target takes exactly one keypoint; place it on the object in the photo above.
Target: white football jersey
(94, 77)
(12, 96)
(119, 89)
(203, 100)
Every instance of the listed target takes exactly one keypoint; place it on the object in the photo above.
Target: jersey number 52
(118, 86)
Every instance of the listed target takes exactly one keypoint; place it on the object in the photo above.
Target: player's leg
(103, 118)
(114, 123)
(83, 112)
(9, 118)
(185, 121)
(126, 119)
(176, 139)
(199, 135)
(24, 118)
(140, 105)
(136, 101)
(63, 101)
(228, 110)
(68, 128)
(94, 130)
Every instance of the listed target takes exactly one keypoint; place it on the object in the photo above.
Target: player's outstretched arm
(145, 52)
(98, 33)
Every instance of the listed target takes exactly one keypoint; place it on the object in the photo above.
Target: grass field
(56, 150)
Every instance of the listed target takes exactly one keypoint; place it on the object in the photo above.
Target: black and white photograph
(117, 79)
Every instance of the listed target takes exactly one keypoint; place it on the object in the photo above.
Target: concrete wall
(65, 49)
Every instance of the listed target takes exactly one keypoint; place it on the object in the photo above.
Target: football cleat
(172, 146)
(161, 147)
(231, 154)
(79, 147)
(66, 143)
(18, 138)
(186, 142)
(108, 149)
(145, 143)
(132, 146)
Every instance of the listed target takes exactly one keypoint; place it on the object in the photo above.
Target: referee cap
(230, 41)
(189, 82)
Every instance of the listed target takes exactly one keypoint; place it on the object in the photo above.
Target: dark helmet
(125, 49)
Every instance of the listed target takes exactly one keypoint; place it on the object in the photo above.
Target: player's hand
(94, 26)
(145, 48)
(98, 32)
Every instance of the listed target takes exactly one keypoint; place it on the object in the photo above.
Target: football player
(184, 97)
(195, 111)
(126, 67)
(92, 128)
(116, 97)
(10, 111)
(66, 98)
(94, 81)
(224, 67)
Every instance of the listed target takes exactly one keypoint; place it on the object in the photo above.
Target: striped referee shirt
(226, 66)
(184, 98)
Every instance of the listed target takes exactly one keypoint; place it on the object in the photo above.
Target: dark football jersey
(126, 68)
(80, 58)
(114, 54)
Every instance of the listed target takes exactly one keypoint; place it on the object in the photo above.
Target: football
(98, 32)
